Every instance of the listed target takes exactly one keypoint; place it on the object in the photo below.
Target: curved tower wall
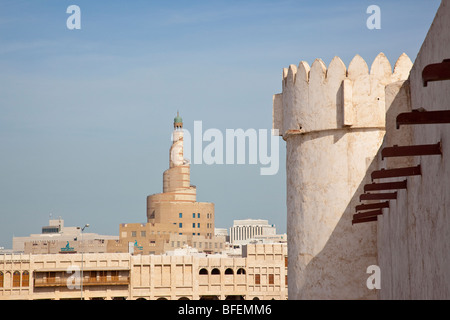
(333, 122)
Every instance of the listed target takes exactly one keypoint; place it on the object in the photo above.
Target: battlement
(316, 98)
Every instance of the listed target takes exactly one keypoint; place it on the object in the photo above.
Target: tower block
(333, 121)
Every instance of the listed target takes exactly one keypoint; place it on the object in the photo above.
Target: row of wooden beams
(432, 72)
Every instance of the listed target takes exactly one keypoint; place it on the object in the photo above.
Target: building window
(16, 279)
(241, 271)
(271, 279)
(229, 271)
(180, 215)
(215, 271)
(198, 215)
(133, 234)
(25, 279)
(1, 279)
(180, 225)
(198, 225)
(203, 271)
(193, 225)
(102, 276)
(193, 215)
(92, 276)
(143, 234)
(114, 276)
(257, 279)
(51, 277)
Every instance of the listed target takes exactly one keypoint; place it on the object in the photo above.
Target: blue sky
(86, 115)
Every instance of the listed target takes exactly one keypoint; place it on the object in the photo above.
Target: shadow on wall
(346, 251)
(343, 280)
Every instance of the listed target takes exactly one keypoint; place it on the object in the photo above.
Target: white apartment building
(256, 230)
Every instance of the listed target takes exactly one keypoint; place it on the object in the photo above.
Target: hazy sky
(86, 115)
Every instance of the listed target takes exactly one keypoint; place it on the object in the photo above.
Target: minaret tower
(177, 177)
(177, 205)
(176, 150)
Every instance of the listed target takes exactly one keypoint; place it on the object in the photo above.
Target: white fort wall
(413, 234)
(333, 122)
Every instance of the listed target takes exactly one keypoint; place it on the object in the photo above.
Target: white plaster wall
(414, 234)
(333, 122)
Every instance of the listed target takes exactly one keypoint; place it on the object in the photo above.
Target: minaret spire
(176, 150)
(178, 121)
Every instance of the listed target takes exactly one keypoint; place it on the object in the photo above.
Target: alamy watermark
(374, 20)
(374, 281)
(74, 20)
(235, 146)
(74, 280)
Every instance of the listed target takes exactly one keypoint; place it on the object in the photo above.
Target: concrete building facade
(57, 238)
(261, 273)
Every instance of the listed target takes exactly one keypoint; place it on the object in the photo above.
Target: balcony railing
(87, 281)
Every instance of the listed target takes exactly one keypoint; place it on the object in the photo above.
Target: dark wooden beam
(398, 172)
(436, 72)
(385, 186)
(373, 218)
(378, 196)
(368, 214)
(378, 205)
(423, 117)
(418, 150)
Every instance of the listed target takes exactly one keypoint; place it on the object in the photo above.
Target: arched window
(215, 271)
(240, 271)
(16, 279)
(229, 271)
(25, 279)
(1, 279)
(203, 271)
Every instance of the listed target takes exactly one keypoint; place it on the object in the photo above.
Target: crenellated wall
(316, 98)
(333, 122)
